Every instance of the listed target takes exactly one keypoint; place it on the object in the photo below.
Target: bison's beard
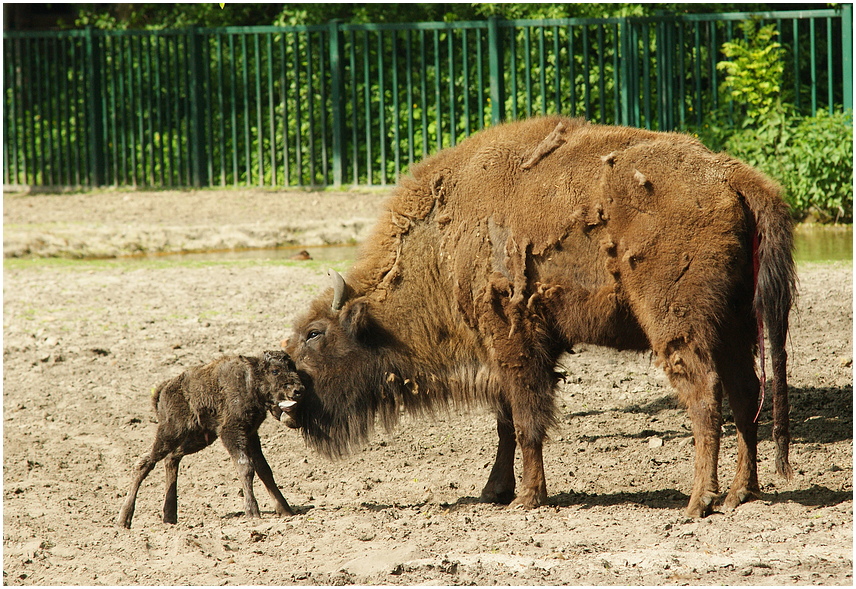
(339, 410)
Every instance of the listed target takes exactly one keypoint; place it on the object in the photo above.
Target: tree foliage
(169, 15)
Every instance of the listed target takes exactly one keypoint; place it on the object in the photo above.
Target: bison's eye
(313, 334)
(274, 371)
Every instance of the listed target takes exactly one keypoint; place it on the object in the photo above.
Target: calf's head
(281, 385)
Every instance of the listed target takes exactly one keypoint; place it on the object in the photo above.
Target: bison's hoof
(501, 497)
(743, 495)
(701, 506)
(529, 500)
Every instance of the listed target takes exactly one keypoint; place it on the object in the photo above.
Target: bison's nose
(297, 394)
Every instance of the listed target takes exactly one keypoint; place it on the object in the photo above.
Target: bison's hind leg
(692, 372)
(742, 386)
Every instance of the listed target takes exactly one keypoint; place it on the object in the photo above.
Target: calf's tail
(775, 288)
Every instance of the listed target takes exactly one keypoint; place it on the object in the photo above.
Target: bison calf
(227, 398)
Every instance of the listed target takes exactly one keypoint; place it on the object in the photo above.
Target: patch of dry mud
(84, 342)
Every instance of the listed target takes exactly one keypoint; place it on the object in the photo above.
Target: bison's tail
(775, 289)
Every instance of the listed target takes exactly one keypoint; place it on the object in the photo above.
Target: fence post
(337, 92)
(629, 88)
(496, 55)
(198, 151)
(847, 55)
(94, 108)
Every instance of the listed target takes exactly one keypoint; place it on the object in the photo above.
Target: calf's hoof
(283, 511)
(124, 523)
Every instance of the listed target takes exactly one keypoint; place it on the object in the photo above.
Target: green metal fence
(357, 104)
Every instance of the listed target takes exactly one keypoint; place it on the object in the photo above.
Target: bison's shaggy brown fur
(495, 256)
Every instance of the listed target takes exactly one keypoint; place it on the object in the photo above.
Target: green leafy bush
(754, 70)
(811, 156)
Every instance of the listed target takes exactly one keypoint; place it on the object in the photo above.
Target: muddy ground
(85, 341)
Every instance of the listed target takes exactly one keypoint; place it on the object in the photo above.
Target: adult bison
(494, 257)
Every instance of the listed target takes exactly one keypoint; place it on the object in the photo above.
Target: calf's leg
(262, 468)
(236, 442)
(159, 450)
(192, 443)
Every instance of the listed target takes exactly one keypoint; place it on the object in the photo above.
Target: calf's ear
(355, 319)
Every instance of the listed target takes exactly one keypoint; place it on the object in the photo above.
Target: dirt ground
(84, 341)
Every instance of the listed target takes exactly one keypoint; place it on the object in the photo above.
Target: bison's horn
(338, 289)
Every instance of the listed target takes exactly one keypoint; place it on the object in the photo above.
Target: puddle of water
(814, 243)
(817, 243)
(336, 253)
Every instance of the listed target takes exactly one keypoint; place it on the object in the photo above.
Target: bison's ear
(355, 319)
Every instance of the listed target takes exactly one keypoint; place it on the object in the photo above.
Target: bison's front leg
(533, 490)
(531, 413)
(500, 483)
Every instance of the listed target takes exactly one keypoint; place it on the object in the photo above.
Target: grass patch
(160, 263)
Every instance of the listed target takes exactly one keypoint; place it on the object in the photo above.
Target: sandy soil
(84, 342)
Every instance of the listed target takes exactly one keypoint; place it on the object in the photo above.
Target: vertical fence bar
(542, 71)
(437, 96)
(813, 54)
(137, 52)
(450, 58)
(465, 74)
(586, 72)
(283, 52)
(697, 66)
(830, 76)
(423, 91)
(557, 91)
(616, 69)
(513, 60)
(408, 56)
(355, 151)
(847, 55)
(150, 88)
(713, 51)
(271, 115)
(480, 78)
(93, 84)
(571, 71)
(49, 114)
(197, 94)
(381, 107)
(221, 108)
(796, 52)
(337, 93)
(257, 70)
(132, 110)
(396, 113)
(601, 78)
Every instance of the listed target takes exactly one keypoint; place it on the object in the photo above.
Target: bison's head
(281, 385)
(343, 353)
